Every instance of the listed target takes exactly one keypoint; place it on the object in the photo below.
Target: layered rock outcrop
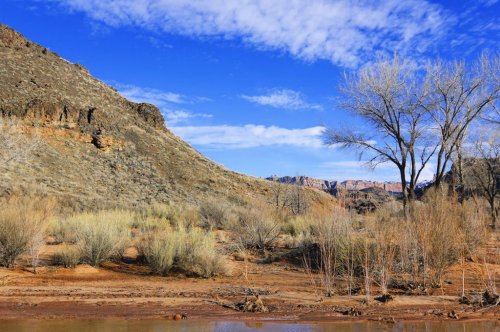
(330, 186)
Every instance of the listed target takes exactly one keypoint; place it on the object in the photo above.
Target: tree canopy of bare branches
(287, 198)
(460, 95)
(388, 95)
(481, 172)
(420, 115)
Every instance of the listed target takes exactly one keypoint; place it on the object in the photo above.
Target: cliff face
(361, 196)
(97, 148)
(305, 181)
(391, 187)
(331, 186)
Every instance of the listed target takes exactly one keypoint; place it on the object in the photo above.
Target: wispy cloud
(249, 136)
(174, 117)
(150, 95)
(342, 31)
(487, 2)
(168, 102)
(475, 30)
(284, 98)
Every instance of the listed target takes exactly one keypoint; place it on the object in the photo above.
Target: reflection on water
(229, 326)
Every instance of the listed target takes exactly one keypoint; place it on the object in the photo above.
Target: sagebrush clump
(22, 222)
(256, 228)
(190, 250)
(159, 251)
(213, 214)
(67, 256)
(102, 235)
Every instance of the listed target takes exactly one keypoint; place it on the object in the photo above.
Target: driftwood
(252, 305)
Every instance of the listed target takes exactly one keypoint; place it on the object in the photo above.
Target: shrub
(256, 228)
(300, 231)
(23, 222)
(35, 245)
(473, 225)
(438, 231)
(196, 253)
(189, 249)
(67, 256)
(102, 235)
(159, 251)
(63, 230)
(160, 211)
(172, 214)
(384, 232)
(332, 234)
(213, 215)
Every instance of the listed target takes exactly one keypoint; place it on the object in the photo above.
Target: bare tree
(297, 200)
(389, 95)
(493, 116)
(481, 172)
(460, 95)
(280, 196)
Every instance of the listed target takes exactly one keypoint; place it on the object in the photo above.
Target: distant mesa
(359, 195)
(393, 188)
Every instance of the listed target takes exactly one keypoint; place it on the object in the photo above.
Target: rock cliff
(330, 186)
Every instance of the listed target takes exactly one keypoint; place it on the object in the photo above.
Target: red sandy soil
(121, 290)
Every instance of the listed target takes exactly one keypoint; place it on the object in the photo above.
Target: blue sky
(252, 84)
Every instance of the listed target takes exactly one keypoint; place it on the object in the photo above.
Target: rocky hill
(97, 148)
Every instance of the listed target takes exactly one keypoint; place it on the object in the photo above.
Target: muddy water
(229, 326)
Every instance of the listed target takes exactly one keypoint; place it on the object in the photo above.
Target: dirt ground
(121, 290)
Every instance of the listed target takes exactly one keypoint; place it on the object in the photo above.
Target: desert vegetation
(338, 250)
(23, 222)
(191, 250)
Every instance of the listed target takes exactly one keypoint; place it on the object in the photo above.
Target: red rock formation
(392, 187)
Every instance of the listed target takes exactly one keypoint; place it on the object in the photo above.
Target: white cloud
(153, 96)
(166, 101)
(342, 31)
(283, 98)
(353, 164)
(249, 136)
(173, 117)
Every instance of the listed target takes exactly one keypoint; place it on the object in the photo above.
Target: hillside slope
(99, 149)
